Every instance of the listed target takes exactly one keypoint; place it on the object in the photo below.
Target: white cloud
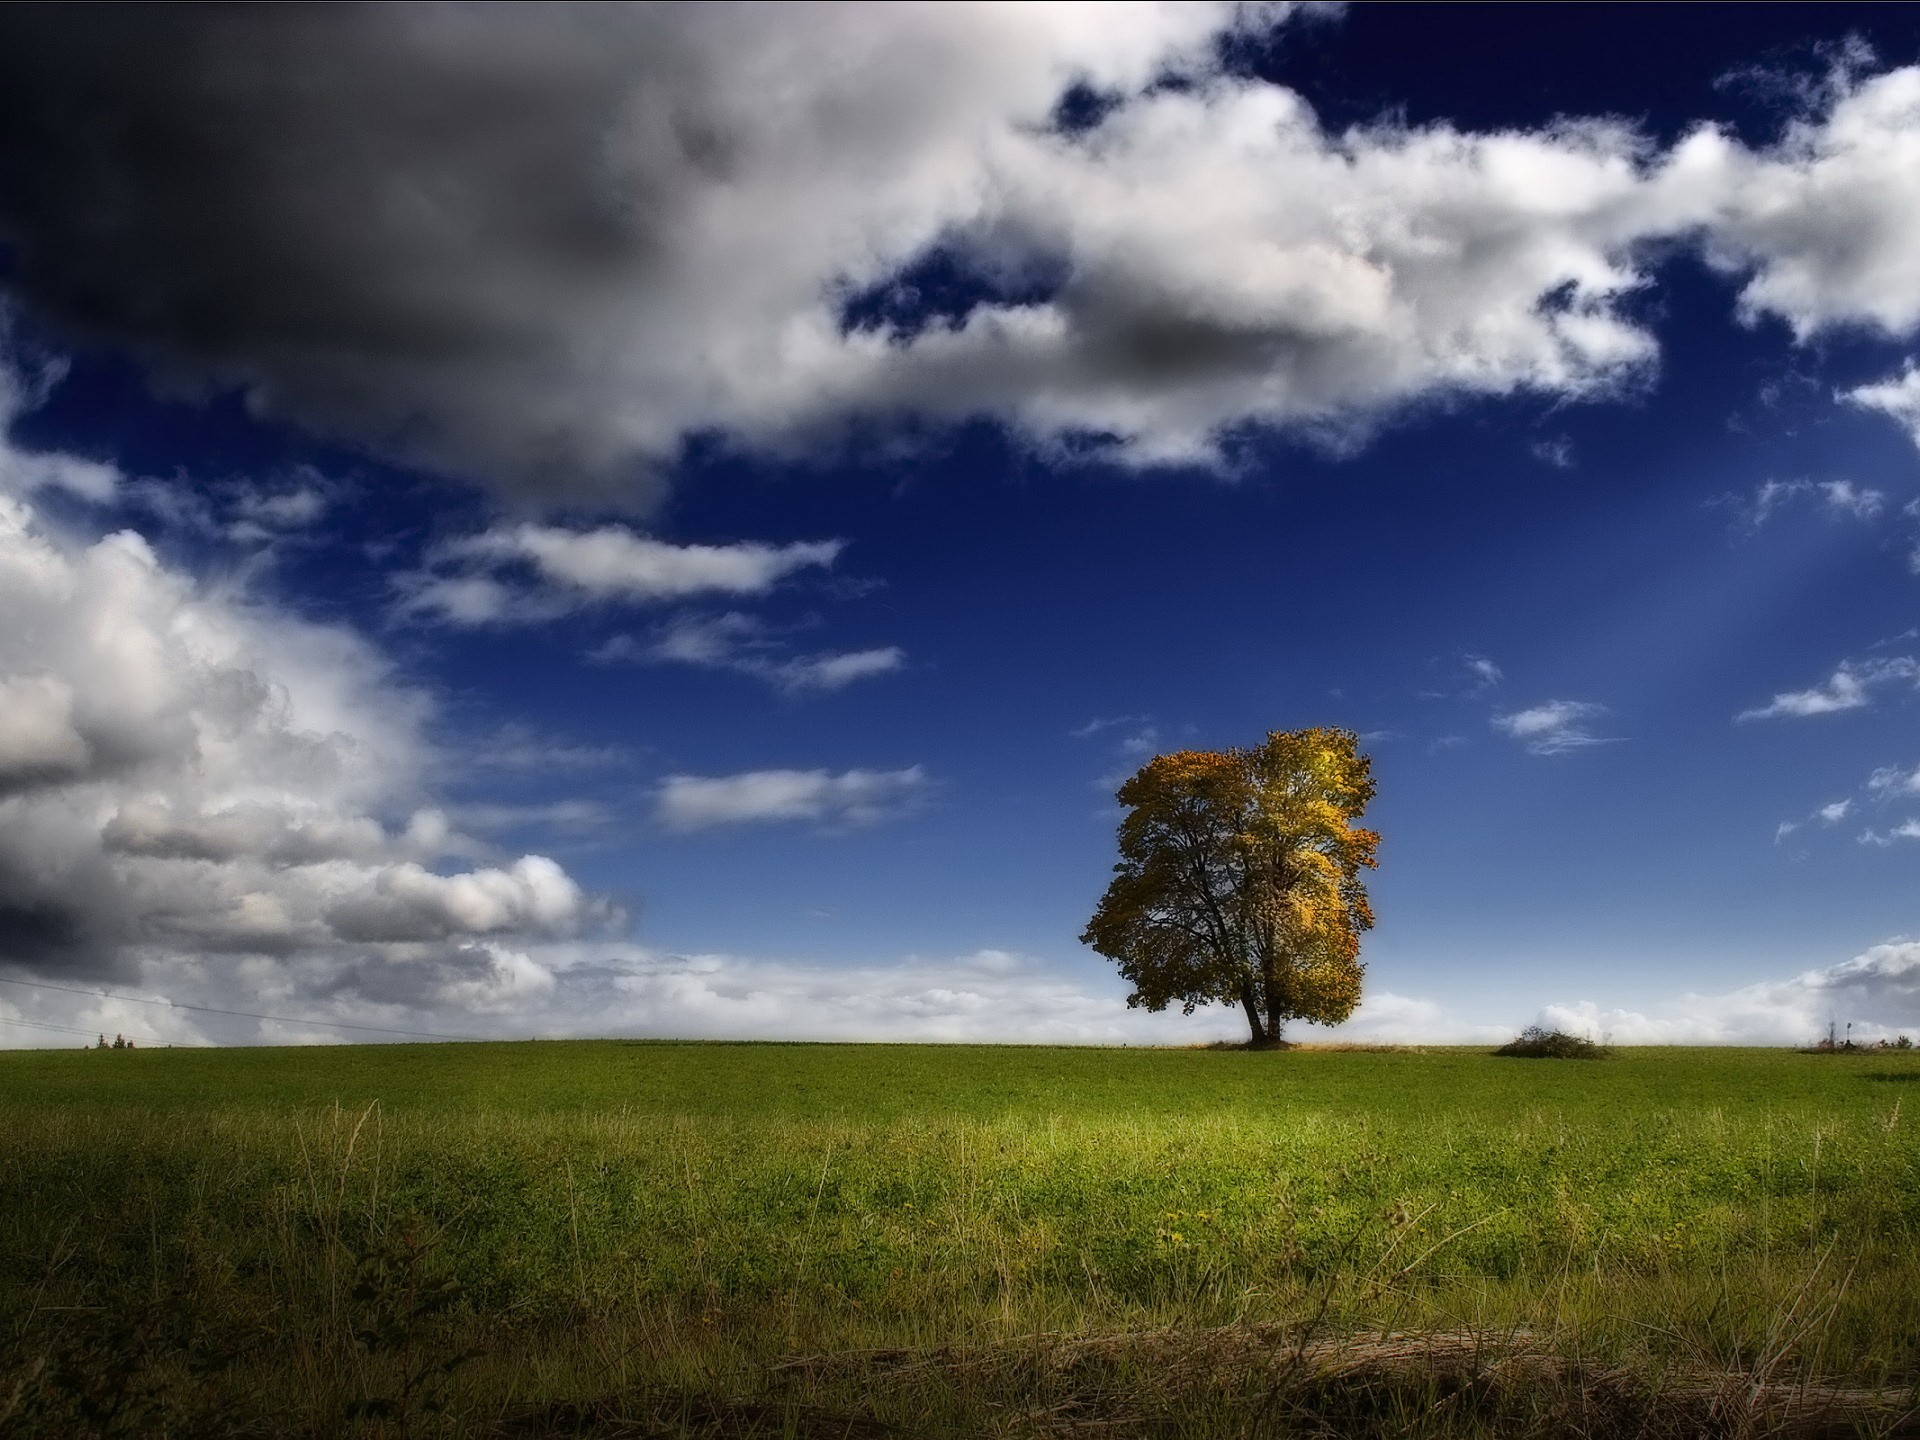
(1905, 830)
(1897, 397)
(1486, 674)
(408, 902)
(1384, 1017)
(748, 646)
(1824, 221)
(988, 995)
(579, 987)
(1836, 497)
(190, 776)
(22, 472)
(1885, 784)
(1878, 992)
(853, 797)
(1554, 727)
(518, 746)
(1846, 498)
(464, 583)
(659, 237)
(1850, 687)
(1890, 781)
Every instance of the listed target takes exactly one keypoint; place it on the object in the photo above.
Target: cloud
(1885, 784)
(597, 987)
(521, 747)
(1905, 830)
(1557, 452)
(1130, 740)
(1891, 781)
(1554, 727)
(1385, 1017)
(536, 243)
(989, 995)
(526, 572)
(1485, 673)
(549, 245)
(1846, 498)
(1897, 397)
(191, 778)
(22, 472)
(748, 646)
(854, 797)
(1850, 687)
(1823, 222)
(408, 902)
(1878, 992)
(1837, 498)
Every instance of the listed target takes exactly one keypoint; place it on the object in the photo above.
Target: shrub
(1536, 1042)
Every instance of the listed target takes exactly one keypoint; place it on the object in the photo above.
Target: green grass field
(605, 1238)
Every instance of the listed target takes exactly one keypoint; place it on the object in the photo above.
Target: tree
(1239, 881)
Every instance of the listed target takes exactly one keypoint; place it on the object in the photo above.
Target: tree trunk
(1276, 1019)
(1259, 1040)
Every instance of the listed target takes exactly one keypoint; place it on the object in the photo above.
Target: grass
(649, 1239)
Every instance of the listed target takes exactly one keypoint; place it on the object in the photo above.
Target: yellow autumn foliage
(1239, 880)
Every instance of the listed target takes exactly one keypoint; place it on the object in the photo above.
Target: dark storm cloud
(375, 220)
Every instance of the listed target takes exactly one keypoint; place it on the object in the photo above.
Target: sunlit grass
(684, 1231)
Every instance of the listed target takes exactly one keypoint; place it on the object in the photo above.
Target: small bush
(1536, 1042)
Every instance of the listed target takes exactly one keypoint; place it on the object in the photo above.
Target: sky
(674, 521)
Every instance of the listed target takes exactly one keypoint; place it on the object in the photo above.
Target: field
(604, 1238)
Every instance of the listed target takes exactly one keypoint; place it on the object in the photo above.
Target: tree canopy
(1239, 880)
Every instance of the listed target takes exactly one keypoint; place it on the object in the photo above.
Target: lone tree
(1239, 881)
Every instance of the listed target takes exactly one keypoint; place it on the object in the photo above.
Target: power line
(243, 1014)
(43, 1025)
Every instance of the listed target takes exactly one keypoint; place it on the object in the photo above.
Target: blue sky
(675, 522)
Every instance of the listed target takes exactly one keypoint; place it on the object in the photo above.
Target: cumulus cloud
(550, 244)
(1823, 222)
(528, 572)
(1850, 687)
(191, 779)
(1554, 727)
(1877, 992)
(853, 797)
